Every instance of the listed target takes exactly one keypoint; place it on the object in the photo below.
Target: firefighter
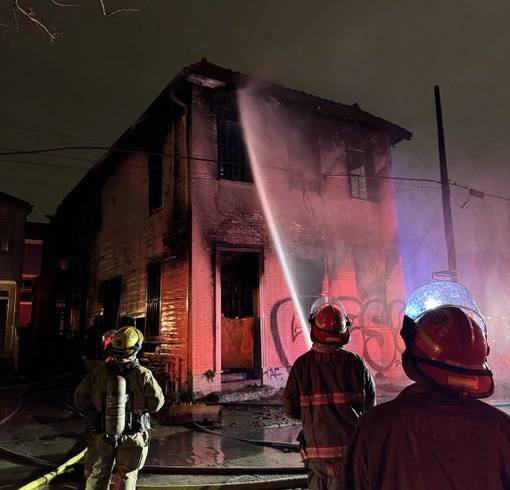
(118, 394)
(436, 433)
(328, 388)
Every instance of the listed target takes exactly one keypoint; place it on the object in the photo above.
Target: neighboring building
(13, 214)
(167, 231)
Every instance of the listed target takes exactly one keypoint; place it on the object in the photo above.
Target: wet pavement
(47, 427)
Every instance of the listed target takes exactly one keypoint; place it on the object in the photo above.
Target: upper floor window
(360, 165)
(153, 313)
(155, 167)
(233, 161)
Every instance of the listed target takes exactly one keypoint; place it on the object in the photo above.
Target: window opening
(155, 164)
(360, 166)
(110, 292)
(27, 289)
(153, 299)
(233, 161)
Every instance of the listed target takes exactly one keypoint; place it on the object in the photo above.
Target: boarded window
(155, 166)
(233, 162)
(360, 165)
(153, 298)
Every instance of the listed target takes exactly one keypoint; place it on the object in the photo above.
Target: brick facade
(348, 244)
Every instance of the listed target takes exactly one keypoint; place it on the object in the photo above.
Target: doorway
(239, 278)
(4, 303)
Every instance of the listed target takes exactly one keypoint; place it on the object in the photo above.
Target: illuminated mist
(250, 119)
(327, 242)
(482, 236)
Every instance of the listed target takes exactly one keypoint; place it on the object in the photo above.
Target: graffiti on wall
(375, 331)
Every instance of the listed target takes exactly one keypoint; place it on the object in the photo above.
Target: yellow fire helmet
(126, 342)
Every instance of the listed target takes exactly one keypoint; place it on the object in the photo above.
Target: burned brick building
(168, 232)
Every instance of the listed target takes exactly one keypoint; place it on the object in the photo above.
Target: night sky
(94, 81)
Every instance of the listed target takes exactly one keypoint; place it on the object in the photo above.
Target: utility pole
(445, 192)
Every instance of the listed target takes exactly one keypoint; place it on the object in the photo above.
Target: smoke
(481, 229)
(327, 241)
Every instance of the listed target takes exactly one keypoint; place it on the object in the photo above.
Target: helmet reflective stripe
(448, 348)
(472, 383)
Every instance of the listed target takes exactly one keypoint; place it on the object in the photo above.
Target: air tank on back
(116, 399)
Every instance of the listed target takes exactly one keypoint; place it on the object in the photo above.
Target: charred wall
(354, 241)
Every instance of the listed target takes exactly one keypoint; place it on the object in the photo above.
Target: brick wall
(315, 225)
(130, 237)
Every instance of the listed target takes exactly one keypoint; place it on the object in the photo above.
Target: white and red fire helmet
(329, 321)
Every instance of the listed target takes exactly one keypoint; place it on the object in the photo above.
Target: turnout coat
(328, 391)
(424, 439)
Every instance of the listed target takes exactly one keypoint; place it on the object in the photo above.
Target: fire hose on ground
(279, 483)
(284, 446)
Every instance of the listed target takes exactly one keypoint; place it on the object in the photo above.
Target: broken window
(153, 298)
(360, 165)
(155, 164)
(233, 161)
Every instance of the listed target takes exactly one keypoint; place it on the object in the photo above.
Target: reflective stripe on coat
(328, 391)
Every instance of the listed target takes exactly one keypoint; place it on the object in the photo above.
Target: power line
(51, 133)
(44, 164)
(471, 190)
(55, 155)
(423, 238)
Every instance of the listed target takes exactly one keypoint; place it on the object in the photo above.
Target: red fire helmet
(448, 347)
(329, 322)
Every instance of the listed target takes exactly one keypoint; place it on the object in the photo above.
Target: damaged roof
(211, 75)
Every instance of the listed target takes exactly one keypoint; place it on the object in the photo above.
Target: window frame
(227, 167)
(149, 330)
(370, 191)
(154, 182)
